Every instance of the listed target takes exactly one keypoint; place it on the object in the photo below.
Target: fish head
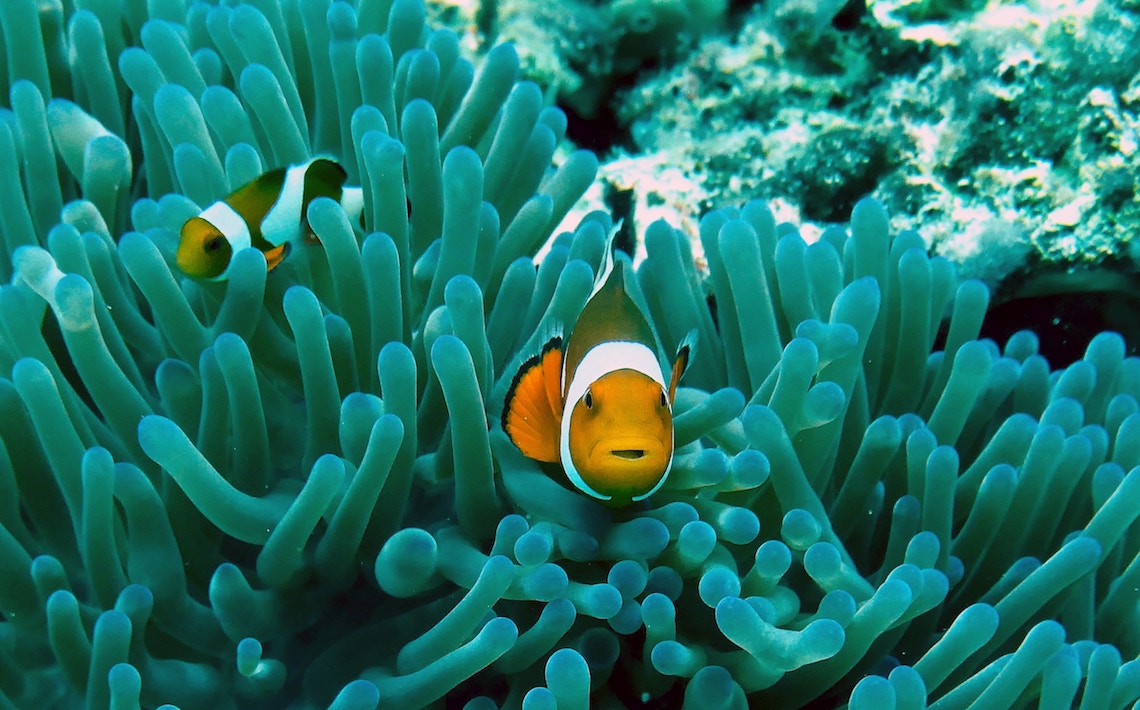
(621, 435)
(204, 251)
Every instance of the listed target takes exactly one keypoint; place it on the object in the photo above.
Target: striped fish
(267, 214)
(598, 402)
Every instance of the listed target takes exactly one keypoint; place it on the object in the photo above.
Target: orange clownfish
(598, 402)
(267, 214)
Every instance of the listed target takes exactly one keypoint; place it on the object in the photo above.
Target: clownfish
(267, 214)
(598, 402)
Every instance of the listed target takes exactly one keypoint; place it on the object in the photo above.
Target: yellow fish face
(621, 435)
(204, 251)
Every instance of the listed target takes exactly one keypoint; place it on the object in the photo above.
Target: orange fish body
(267, 214)
(599, 403)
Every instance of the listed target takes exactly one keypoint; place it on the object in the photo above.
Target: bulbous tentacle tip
(155, 434)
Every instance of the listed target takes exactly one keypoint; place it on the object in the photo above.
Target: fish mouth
(626, 466)
(628, 454)
(629, 449)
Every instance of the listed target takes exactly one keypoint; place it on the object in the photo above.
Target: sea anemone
(289, 489)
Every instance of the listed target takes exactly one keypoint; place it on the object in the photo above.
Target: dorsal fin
(255, 199)
(606, 268)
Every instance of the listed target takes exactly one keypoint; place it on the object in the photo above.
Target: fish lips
(632, 452)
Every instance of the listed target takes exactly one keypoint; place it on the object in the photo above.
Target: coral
(582, 49)
(972, 119)
(283, 490)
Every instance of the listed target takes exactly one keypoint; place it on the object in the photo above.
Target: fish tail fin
(532, 412)
(685, 350)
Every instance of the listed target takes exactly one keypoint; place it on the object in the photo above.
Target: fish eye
(588, 399)
(664, 402)
(214, 244)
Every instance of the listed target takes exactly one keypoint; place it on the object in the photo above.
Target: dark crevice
(602, 132)
(1065, 306)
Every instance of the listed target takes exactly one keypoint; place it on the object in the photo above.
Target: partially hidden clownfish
(268, 214)
(598, 402)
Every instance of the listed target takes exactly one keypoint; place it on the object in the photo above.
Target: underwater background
(290, 489)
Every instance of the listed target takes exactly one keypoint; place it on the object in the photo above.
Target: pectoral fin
(681, 362)
(532, 412)
(275, 256)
